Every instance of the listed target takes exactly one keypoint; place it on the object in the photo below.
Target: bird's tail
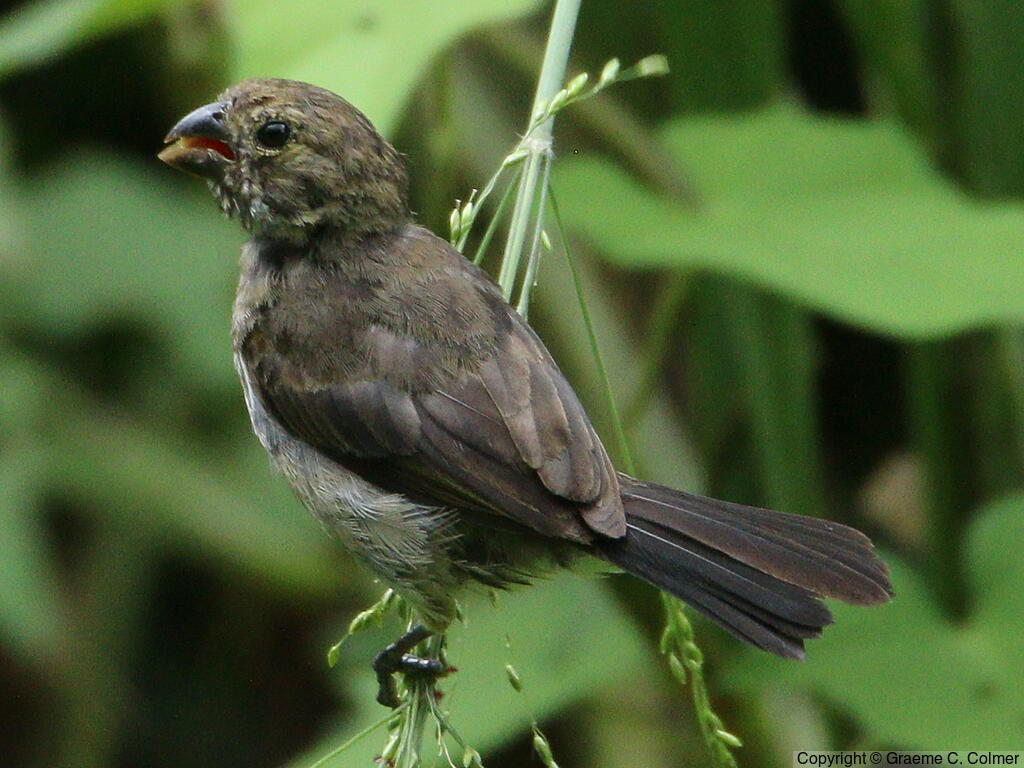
(759, 574)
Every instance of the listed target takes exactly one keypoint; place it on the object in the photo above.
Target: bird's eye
(273, 135)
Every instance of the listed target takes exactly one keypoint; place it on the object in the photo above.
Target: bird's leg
(397, 658)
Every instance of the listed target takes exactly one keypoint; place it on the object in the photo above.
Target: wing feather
(469, 410)
(510, 438)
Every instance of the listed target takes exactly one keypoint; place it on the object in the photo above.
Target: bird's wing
(508, 436)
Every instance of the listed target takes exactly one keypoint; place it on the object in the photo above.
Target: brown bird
(424, 423)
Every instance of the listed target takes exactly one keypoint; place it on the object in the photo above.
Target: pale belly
(408, 545)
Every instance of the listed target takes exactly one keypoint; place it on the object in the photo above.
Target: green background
(803, 253)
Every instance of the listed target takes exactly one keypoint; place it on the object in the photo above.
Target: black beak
(201, 142)
(207, 122)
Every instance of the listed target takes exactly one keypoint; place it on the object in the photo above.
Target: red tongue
(220, 147)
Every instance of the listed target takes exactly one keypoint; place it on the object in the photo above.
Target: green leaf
(31, 615)
(105, 239)
(135, 474)
(911, 677)
(36, 31)
(998, 580)
(844, 216)
(371, 53)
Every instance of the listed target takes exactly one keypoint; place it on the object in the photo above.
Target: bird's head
(289, 158)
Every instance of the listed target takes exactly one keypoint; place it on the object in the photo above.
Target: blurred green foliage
(845, 216)
(971, 695)
(801, 255)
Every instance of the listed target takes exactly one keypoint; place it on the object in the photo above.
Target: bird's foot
(397, 658)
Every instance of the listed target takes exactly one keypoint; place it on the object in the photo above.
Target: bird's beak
(200, 143)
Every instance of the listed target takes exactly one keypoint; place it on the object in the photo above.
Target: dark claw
(396, 658)
(417, 665)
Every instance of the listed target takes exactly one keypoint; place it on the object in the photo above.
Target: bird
(424, 423)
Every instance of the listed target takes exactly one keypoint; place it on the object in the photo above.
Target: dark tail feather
(758, 573)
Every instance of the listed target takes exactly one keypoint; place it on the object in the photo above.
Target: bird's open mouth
(198, 144)
(198, 155)
(201, 142)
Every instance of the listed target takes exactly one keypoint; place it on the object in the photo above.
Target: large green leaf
(912, 678)
(371, 53)
(160, 484)
(30, 610)
(36, 31)
(845, 216)
(105, 239)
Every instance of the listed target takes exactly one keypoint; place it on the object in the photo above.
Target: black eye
(273, 135)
